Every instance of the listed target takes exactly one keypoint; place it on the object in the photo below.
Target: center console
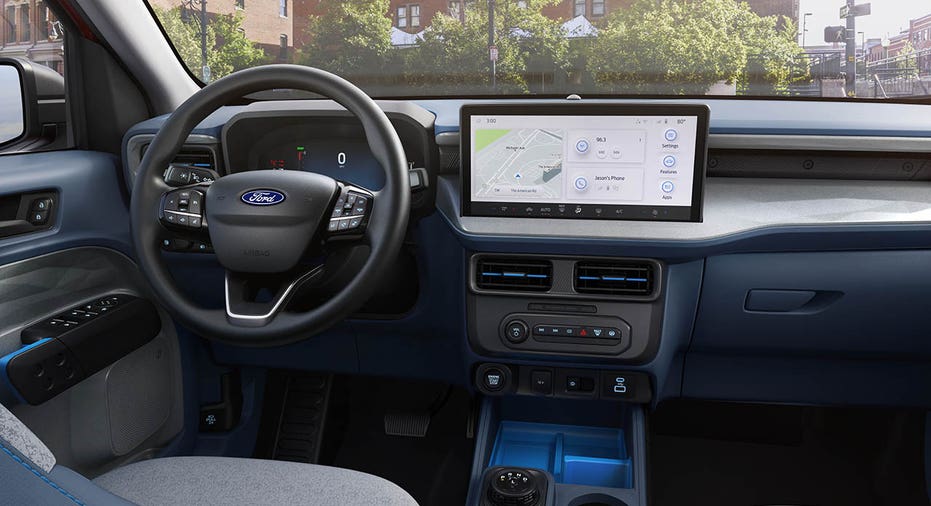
(567, 342)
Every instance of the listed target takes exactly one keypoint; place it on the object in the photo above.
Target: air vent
(614, 278)
(195, 156)
(514, 274)
(201, 158)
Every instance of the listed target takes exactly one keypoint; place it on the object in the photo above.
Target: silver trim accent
(264, 319)
(732, 206)
(789, 142)
(182, 212)
(820, 143)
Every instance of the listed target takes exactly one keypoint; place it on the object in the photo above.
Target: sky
(888, 17)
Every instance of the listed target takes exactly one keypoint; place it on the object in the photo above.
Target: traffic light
(834, 34)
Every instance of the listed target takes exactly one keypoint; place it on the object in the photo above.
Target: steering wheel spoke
(182, 209)
(254, 301)
(350, 214)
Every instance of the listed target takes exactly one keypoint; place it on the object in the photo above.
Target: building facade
(413, 16)
(31, 31)
(268, 23)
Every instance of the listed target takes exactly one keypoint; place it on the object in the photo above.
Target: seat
(29, 474)
(222, 480)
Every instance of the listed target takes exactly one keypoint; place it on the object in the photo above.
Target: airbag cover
(263, 221)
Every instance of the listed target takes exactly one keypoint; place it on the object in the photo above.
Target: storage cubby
(573, 454)
(594, 450)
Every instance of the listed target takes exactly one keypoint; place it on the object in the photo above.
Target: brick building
(787, 8)
(31, 31)
(268, 23)
(920, 30)
(413, 16)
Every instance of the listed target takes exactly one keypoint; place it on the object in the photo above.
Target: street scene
(796, 48)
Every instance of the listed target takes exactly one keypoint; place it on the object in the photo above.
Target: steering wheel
(266, 226)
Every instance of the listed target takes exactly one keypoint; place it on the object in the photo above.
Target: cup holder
(596, 500)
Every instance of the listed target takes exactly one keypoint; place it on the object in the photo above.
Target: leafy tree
(454, 54)
(906, 61)
(228, 49)
(775, 58)
(351, 38)
(685, 46)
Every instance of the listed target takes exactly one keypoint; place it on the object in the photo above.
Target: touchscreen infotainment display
(624, 162)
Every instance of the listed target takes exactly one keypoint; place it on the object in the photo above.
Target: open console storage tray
(594, 451)
(573, 454)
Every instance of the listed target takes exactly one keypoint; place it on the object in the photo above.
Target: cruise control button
(197, 199)
(360, 205)
(171, 202)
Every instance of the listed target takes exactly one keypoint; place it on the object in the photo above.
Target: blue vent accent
(514, 274)
(614, 278)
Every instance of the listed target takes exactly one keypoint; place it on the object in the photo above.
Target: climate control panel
(597, 333)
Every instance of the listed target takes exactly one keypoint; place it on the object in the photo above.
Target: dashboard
(766, 294)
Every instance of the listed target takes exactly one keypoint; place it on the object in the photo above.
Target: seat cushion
(222, 480)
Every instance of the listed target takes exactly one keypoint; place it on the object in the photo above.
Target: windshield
(411, 48)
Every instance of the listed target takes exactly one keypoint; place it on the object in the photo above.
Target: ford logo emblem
(262, 197)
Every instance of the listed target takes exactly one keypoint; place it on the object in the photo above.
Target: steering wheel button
(355, 222)
(195, 205)
(334, 224)
(344, 224)
(351, 198)
(194, 222)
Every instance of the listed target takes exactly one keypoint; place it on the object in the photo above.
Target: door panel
(132, 407)
(92, 207)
